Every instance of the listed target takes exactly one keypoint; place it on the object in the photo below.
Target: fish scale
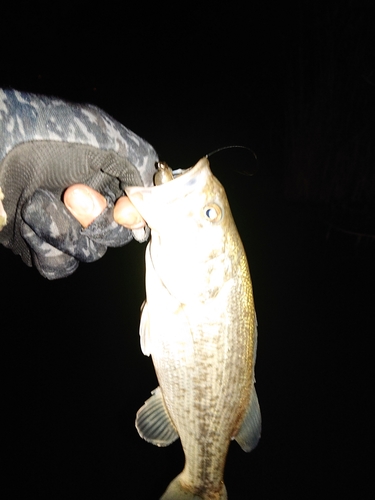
(198, 324)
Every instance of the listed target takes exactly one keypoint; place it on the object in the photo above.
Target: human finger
(84, 203)
(127, 215)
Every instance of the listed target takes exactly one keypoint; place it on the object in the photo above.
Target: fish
(198, 323)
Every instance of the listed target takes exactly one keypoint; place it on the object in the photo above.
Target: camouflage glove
(46, 145)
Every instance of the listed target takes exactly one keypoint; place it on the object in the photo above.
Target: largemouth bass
(198, 323)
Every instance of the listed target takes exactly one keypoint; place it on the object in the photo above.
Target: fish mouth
(184, 181)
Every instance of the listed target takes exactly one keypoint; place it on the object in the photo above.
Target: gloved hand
(46, 145)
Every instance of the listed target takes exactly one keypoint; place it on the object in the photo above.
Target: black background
(296, 84)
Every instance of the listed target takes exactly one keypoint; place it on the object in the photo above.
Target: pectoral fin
(144, 330)
(153, 422)
(250, 430)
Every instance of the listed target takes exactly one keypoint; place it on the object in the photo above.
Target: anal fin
(153, 422)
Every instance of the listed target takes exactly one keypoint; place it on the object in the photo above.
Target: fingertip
(84, 203)
(127, 215)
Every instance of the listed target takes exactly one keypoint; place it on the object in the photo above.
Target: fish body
(199, 325)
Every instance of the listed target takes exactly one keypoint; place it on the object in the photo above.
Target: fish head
(193, 235)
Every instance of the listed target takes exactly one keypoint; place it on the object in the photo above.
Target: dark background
(296, 83)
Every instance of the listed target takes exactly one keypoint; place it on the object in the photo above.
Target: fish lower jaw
(178, 489)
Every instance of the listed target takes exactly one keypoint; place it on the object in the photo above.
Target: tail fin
(176, 491)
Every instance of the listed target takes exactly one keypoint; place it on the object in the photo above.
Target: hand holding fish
(48, 145)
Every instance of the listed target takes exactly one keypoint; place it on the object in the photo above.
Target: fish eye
(212, 212)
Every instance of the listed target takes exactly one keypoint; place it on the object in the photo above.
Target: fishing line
(242, 172)
(230, 147)
(165, 174)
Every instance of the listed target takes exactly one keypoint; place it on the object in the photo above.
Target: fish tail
(176, 491)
